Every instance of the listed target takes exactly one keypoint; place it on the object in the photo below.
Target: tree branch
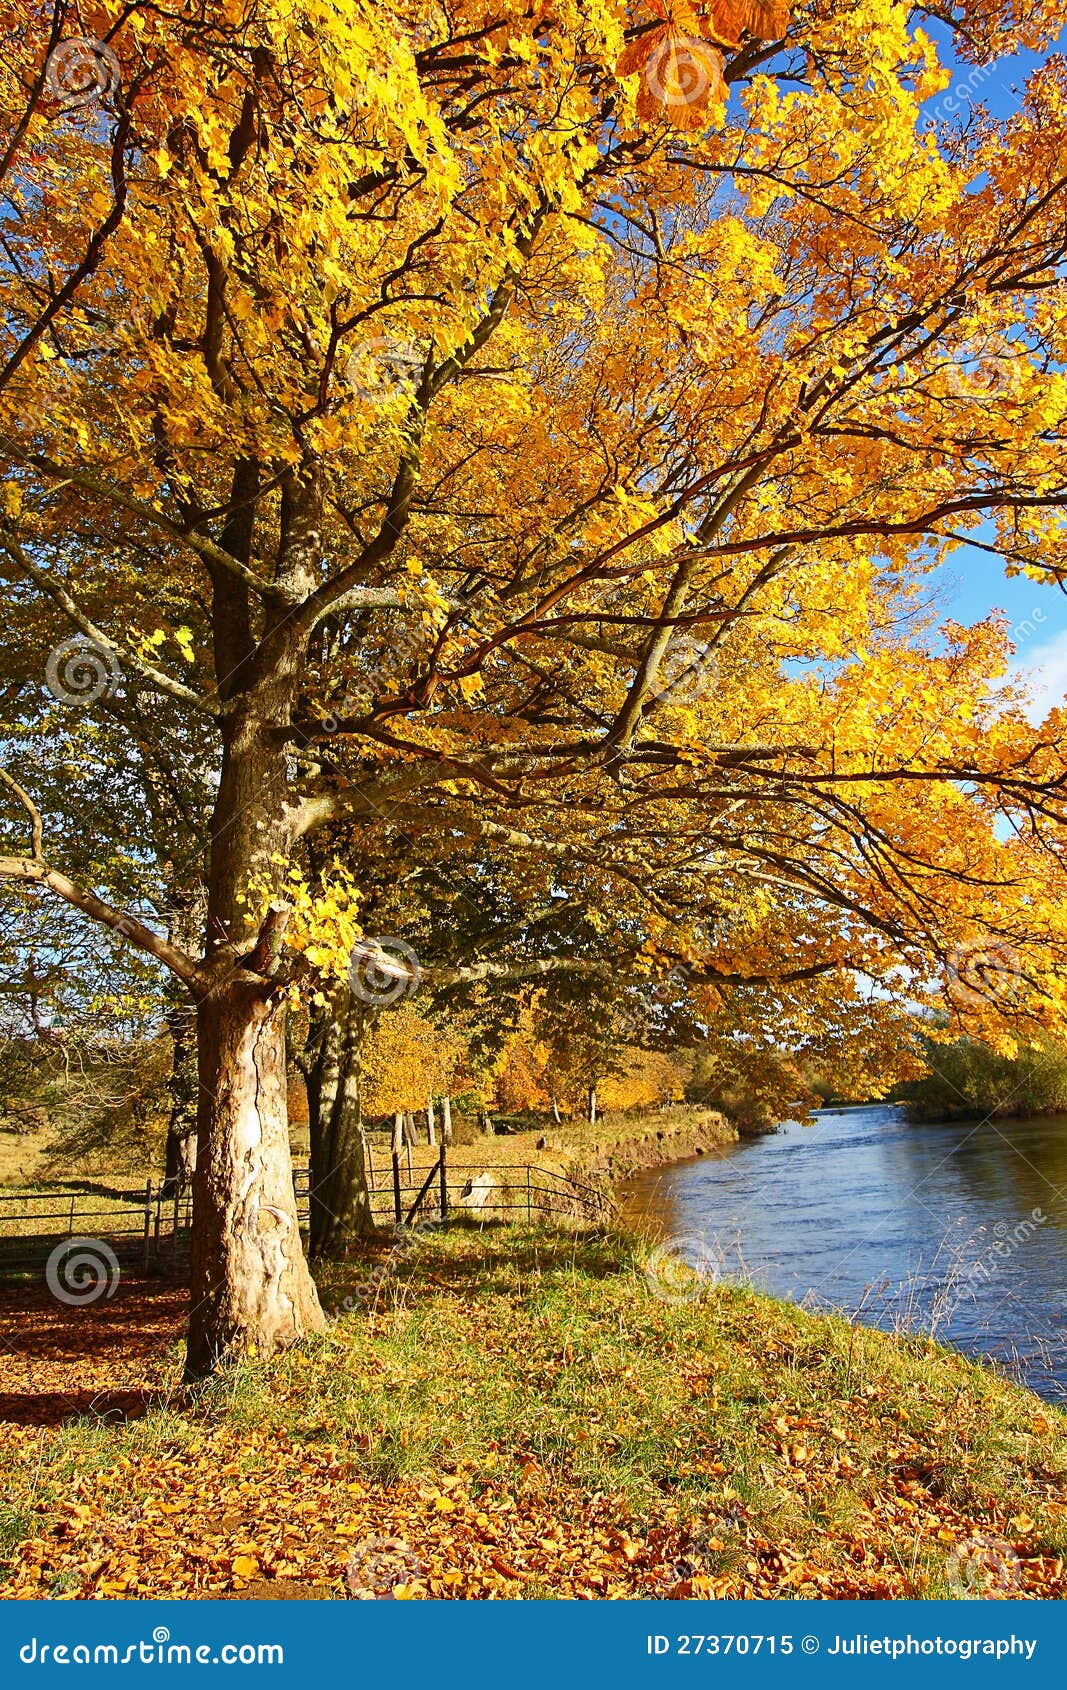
(56, 592)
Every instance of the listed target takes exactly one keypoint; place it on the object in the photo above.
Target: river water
(959, 1230)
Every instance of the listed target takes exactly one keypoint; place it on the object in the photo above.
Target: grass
(524, 1410)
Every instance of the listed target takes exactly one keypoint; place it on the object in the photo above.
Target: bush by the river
(968, 1080)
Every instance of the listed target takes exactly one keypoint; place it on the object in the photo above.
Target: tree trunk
(182, 1088)
(431, 1129)
(185, 927)
(340, 1196)
(446, 1120)
(592, 1106)
(555, 1111)
(251, 1289)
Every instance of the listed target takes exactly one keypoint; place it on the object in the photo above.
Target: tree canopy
(529, 432)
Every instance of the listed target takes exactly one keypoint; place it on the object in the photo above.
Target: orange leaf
(683, 75)
(727, 19)
(768, 19)
(634, 54)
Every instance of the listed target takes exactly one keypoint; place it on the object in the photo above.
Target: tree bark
(182, 1089)
(251, 1289)
(340, 1196)
(185, 928)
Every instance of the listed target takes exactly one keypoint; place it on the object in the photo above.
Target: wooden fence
(147, 1228)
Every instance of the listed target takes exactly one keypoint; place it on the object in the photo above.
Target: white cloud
(1043, 671)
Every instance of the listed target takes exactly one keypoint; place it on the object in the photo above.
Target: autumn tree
(550, 415)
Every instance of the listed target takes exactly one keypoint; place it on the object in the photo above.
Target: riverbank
(521, 1413)
(945, 1113)
(956, 1230)
(619, 1144)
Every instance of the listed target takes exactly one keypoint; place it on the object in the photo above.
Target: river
(959, 1230)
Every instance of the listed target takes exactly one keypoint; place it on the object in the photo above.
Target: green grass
(796, 1452)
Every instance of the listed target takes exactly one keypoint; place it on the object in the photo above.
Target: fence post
(147, 1223)
(70, 1223)
(529, 1200)
(368, 1159)
(444, 1181)
(397, 1209)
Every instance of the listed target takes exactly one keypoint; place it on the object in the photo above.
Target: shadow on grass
(435, 1262)
(59, 1363)
(53, 1408)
